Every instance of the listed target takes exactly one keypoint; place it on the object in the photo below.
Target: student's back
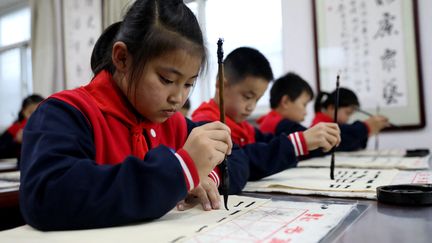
(289, 96)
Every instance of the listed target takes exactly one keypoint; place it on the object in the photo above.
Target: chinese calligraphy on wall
(82, 23)
(367, 47)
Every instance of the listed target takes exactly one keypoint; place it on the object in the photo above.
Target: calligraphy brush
(377, 135)
(370, 114)
(223, 167)
(336, 105)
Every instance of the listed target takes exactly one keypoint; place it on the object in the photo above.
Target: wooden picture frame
(374, 45)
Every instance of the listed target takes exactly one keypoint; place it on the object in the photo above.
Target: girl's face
(164, 85)
(296, 110)
(241, 98)
(28, 110)
(344, 113)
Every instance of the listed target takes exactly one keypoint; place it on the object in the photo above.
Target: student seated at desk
(247, 74)
(289, 97)
(11, 139)
(354, 135)
(116, 151)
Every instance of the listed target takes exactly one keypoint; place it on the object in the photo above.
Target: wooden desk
(10, 214)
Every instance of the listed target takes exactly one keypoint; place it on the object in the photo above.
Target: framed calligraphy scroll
(82, 25)
(374, 46)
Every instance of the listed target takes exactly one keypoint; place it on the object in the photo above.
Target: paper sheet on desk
(370, 162)
(174, 225)
(413, 177)
(8, 184)
(8, 164)
(316, 181)
(10, 176)
(279, 221)
(376, 153)
(249, 220)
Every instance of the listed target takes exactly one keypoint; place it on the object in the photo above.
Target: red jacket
(241, 133)
(321, 117)
(268, 122)
(88, 161)
(14, 128)
(118, 132)
(244, 133)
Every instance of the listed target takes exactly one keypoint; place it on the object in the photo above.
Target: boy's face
(241, 98)
(164, 85)
(296, 110)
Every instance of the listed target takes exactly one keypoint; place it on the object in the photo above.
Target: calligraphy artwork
(373, 45)
(82, 24)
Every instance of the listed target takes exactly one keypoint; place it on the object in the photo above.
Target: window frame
(205, 87)
(23, 47)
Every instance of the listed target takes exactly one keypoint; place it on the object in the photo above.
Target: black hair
(346, 98)
(29, 100)
(244, 62)
(291, 85)
(150, 29)
(187, 104)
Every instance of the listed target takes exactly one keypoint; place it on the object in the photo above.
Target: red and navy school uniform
(274, 123)
(9, 147)
(353, 136)
(267, 154)
(89, 161)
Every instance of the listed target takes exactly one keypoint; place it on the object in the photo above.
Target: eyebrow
(252, 93)
(177, 72)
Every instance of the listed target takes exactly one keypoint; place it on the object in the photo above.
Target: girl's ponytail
(320, 102)
(346, 98)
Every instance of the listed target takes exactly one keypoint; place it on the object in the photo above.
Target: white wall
(299, 56)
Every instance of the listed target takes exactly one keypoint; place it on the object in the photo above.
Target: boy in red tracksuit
(289, 97)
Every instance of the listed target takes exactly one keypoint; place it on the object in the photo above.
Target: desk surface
(385, 223)
(376, 222)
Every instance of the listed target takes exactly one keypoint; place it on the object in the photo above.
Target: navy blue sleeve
(63, 188)
(286, 126)
(261, 137)
(353, 136)
(269, 158)
(238, 164)
(258, 160)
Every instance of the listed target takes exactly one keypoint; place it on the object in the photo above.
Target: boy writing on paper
(248, 74)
